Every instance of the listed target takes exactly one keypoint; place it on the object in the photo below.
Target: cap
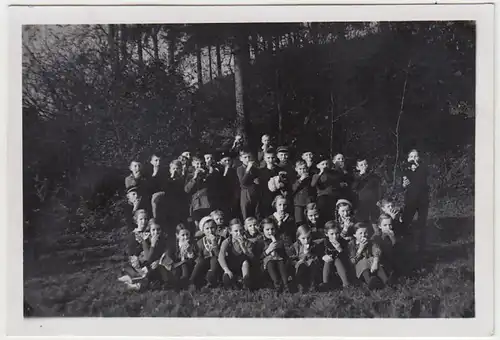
(204, 220)
(186, 154)
(343, 201)
(322, 157)
(132, 188)
(282, 149)
(226, 154)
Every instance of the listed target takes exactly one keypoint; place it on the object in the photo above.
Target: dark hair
(303, 229)
(235, 221)
(300, 162)
(155, 154)
(266, 221)
(331, 225)
(152, 222)
(180, 227)
(383, 217)
(361, 159)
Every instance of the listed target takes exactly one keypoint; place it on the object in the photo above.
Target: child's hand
(250, 165)
(229, 273)
(155, 264)
(374, 267)
(134, 261)
(343, 184)
(327, 258)
(272, 247)
(154, 240)
(406, 182)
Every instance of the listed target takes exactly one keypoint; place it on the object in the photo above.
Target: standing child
(235, 256)
(302, 191)
(335, 255)
(284, 162)
(416, 198)
(345, 218)
(248, 175)
(176, 198)
(346, 178)
(266, 145)
(268, 171)
(207, 262)
(314, 221)
(368, 192)
(284, 222)
(157, 187)
(388, 207)
(139, 181)
(179, 258)
(366, 257)
(308, 157)
(327, 184)
(272, 253)
(229, 187)
(304, 256)
(137, 203)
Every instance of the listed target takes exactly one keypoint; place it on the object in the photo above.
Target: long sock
(341, 271)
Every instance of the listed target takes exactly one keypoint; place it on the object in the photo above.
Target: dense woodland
(96, 96)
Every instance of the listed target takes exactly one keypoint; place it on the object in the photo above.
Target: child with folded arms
(335, 256)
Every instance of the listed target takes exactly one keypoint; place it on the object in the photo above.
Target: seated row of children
(274, 252)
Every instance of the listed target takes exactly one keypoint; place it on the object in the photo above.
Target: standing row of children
(289, 226)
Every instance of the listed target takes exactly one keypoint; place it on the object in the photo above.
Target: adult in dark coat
(328, 187)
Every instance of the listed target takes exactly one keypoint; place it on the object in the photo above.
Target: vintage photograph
(250, 170)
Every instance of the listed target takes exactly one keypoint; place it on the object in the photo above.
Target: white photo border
(481, 325)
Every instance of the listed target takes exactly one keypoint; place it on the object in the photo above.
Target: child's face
(308, 157)
(344, 211)
(339, 160)
(269, 158)
(313, 216)
(245, 158)
(301, 169)
(135, 167)
(183, 160)
(251, 227)
(413, 156)
(226, 162)
(280, 205)
(197, 164)
(219, 219)
(183, 236)
(283, 156)
(305, 238)
(333, 234)
(322, 165)
(265, 140)
(141, 221)
(132, 197)
(174, 169)
(236, 230)
(209, 158)
(269, 230)
(209, 229)
(361, 234)
(386, 225)
(155, 230)
(155, 161)
(387, 207)
(362, 166)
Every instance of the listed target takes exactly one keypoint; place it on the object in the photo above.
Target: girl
(199, 185)
(368, 192)
(302, 191)
(327, 184)
(235, 256)
(345, 219)
(314, 221)
(179, 258)
(252, 233)
(388, 207)
(366, 256)
(208, 247)
(304, 255)
(248, 175)
(283, 221)
(271, 250)
(387, 241)
(335, 255)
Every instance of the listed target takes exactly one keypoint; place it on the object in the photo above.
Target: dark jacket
(247, 179)
(328, 184)
(202, 190)
(367, 187)
(418, 190)
(302, 192)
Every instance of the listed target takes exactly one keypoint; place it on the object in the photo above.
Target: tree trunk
(255, 45)
(278, 105)
(171, 48)
(198, 65)
(210, 62)
(154, 36)
(139, 49)
(219, 61)
(241, 60)
(112, 48)
(123, 43)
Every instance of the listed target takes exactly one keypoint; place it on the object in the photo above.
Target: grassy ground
(77, 276)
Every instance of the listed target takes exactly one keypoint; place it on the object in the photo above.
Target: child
(416, 197)
(327, 184)
(284, 162)
(345, 177)
(207, 261)
(308, 157)
(266, 145)
(335, 254)
(272, 253)
(176, 198)
(179, 258)
(366, 255)
(252, 233)
(221, 228)
(157, 187)
(137, 203)
(302, 191)
(387, 241)
(345, 219)
(284, 222)
(229, 187)
(268, 171)
(235, 256)
(313, 221)
(368, 192)
(304, 256)
(248, 175)
(387, 207)
(138, 181)
(200, 186)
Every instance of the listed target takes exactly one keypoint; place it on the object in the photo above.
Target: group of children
(307, 226)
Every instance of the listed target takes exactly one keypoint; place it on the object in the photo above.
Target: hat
(132, 188)
(322, 157)
(204, 220)
(343, 200)
(282, 149)
(186, 154)
(226, 154)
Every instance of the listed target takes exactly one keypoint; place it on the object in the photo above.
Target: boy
(284, 163)
(176, 198)
(269, 171)
(367, 188)
(248, 175)
(229, 187)
(138, 203)
(138, 181)
(302, 191)
(328, 185)
(346, 178)
(266, 144)
(416, 196)
(157, 187)
(308, 157)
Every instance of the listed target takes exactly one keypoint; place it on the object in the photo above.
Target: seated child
(221, 230)
(137, 203)
(207, 261)
(179, 258)
(252, 233)
(302, 191)
(305, 257)
(345, 218)
(271, 250)
(283, 221)
(366, 257)
(335, 255)
(388, 207)
(313, 221)
(235, 256)
(387, 241)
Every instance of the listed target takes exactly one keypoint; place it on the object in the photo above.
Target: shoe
(226, 280)
(134, 286)
(373, 283)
